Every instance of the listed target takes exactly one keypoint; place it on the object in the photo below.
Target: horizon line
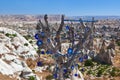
(59, 14)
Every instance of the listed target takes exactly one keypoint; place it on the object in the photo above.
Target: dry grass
(102, 78)
(31, 63)
(114, 78)
(43, 74)
(116, 61)
(5, 77)
(45, 59)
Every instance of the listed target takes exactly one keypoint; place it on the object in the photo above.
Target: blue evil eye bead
(85, 56)
(76, 35)
(36, 36)
(39, 63)
(48, 52)
(72, 67)
(39, 42)
(42, 52)
(67, 27)
(48, 40)
(70, 51)
(65, 70)
(75, 75)
(55, 76)
(86, 29)
(42, 34)
(91, 53)
(81, 59)
(76, 65)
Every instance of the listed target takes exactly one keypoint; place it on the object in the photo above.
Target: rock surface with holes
(11, 50)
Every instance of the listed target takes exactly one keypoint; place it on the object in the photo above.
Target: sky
(66, 7)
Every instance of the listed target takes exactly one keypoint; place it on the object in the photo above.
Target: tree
(81, 41)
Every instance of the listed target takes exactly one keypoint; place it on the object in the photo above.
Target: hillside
(14, 53)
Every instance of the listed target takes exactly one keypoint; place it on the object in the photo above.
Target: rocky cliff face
(14, 52)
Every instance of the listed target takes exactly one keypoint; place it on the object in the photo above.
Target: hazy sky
(67, 7)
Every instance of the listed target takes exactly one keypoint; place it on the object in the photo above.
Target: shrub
(10, 35)
(89, 72)
(26, 44)
(7, 34)
(31, 78)
(118, 43)
(115, 72)
(89, 63)
(100, 72)
(49, 77)
(27, 37)
(31, 41)
(14, 35)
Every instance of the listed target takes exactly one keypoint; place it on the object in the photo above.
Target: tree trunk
(60, 75)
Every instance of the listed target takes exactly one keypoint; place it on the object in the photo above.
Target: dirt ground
(43, 74)
(4, 77)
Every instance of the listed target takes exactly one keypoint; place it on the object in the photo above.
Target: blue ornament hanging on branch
(42, 52)
(70, 51)
(76, 75)
(48, 40)
(55, 75)
(48, 52)
(81, 59)
(87, 29)
(39, 42)
(65, 71)
(36, 36)
(72, 67)
(39, 63)
(42, 34)
(67, 28)
(85, 56)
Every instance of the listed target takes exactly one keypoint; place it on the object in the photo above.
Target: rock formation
(11, 48)
(105, 52)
